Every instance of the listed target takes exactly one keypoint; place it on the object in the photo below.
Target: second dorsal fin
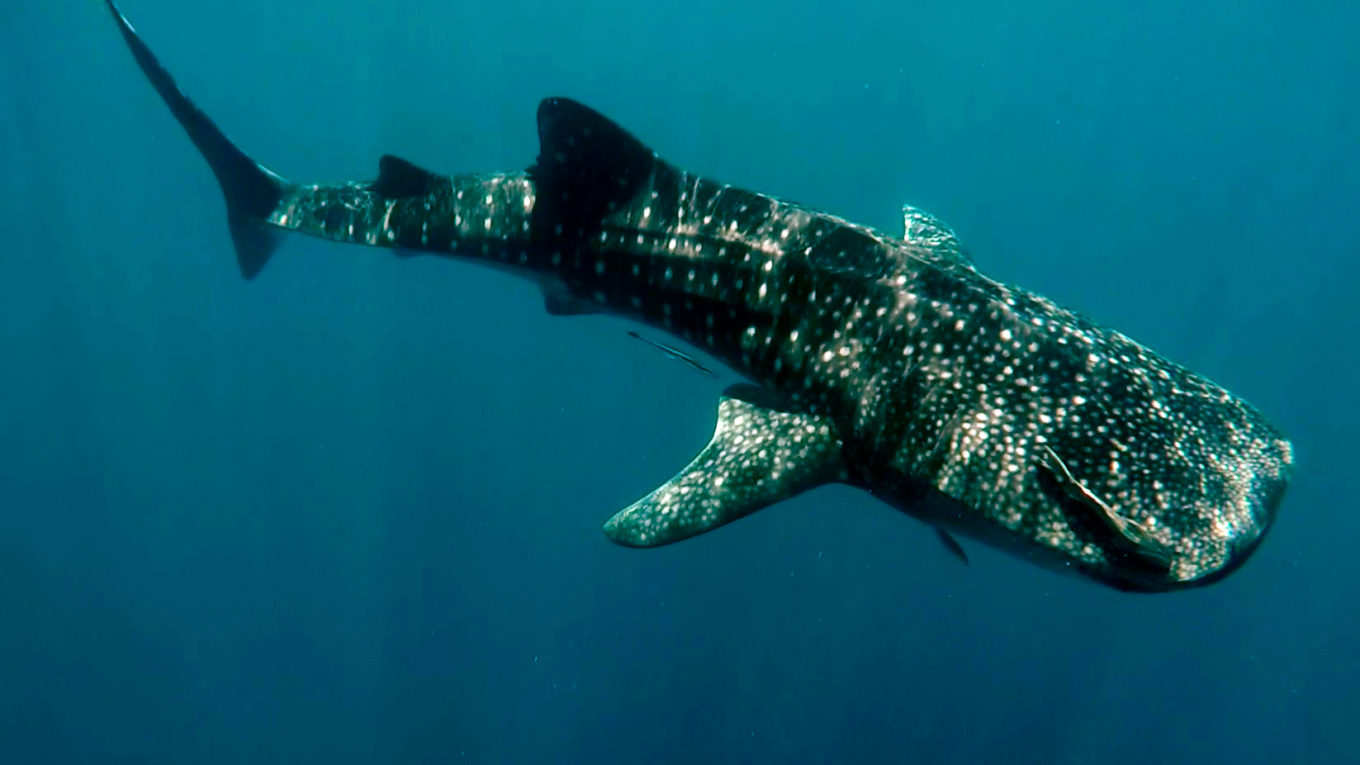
(399, 178)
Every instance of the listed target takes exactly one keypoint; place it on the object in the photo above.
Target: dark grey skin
(887, 363)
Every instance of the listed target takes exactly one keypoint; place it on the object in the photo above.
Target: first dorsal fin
(399, 178)
(587, 166)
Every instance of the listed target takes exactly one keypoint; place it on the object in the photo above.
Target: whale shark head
(1175, 483)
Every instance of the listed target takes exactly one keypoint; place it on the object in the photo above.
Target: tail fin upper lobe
(252, 191)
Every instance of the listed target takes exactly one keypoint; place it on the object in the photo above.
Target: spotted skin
(888, 363)
(758, 456)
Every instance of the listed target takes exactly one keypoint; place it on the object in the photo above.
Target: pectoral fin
(759, 455)
(938, 241)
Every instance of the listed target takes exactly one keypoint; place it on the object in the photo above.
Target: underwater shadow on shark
(891, 364)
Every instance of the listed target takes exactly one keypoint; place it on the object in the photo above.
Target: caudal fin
(252, 191)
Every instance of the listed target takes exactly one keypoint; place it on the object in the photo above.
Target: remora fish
(675, 353)
(890, 364)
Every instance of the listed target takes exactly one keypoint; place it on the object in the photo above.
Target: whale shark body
(888, 363)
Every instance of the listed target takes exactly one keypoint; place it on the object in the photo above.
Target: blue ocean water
(350, 512)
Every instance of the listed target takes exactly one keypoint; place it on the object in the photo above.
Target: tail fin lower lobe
(252, 191)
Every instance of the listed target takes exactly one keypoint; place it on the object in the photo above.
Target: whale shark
(889, 363)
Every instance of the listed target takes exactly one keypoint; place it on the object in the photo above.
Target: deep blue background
(350, 512)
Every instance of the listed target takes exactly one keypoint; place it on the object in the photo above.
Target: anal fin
(759, 455)
(559, 300)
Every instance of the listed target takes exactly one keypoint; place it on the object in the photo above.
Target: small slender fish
(675, 353)
(951, 544)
